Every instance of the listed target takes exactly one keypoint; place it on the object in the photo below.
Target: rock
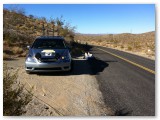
(46, 107)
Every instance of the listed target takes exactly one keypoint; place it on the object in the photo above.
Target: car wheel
(71, 70)
(72, 66)
(28, 72)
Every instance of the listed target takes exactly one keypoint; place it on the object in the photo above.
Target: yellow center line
(133, 63)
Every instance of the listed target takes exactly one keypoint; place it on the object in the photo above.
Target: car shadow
(123, 112)
(92, 66)
(97, 65)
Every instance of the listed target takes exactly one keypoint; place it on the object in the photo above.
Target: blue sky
(99, 18)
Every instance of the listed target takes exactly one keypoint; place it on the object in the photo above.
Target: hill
(20, 30)
(136, 43)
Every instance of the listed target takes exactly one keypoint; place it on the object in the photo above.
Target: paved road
(126, 88)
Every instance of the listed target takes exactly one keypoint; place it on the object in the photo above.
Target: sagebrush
(15, 97)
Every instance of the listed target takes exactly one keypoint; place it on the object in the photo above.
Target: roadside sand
(62, 94)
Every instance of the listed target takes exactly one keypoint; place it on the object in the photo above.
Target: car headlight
(30, 58)
(66, 57)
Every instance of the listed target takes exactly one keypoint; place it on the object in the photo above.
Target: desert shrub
(129, 48)
(136, 45)
(122, 46)
(17, 50)
(151, 46)
(15, 98)
(76, 51)
(99, 40)
(114, 45)
(5, 56)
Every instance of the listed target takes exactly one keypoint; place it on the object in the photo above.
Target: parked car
(48, 54)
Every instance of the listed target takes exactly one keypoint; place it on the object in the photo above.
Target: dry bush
(130, 48)
(17, 50)
(15, 98)
(5, 56)
(23, 54)
(122, 46)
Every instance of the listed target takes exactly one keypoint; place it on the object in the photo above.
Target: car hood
(33, 52)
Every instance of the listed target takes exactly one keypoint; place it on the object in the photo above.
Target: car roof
(50, 37)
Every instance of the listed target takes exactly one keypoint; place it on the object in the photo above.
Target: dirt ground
(62, 94)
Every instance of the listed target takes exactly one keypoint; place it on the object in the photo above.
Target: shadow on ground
(11, 59)
(93, 66)
(9, 52)
(123, 112)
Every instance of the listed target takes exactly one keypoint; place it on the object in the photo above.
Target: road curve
(127, 89)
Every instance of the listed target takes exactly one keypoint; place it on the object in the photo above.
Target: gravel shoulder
(62, 94)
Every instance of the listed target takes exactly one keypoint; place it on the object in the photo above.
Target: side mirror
(28, 47)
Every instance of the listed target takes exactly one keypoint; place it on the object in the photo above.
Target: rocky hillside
(137, 43)
(20, 30)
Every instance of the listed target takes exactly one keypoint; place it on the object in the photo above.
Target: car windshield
(48, 44)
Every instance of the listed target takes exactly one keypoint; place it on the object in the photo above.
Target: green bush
(15, 98)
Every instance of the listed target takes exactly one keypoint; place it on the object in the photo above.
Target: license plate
(48, 54)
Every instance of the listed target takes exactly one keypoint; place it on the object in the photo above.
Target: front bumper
(47, 66)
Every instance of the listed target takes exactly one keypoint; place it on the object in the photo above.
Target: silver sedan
(48, 54)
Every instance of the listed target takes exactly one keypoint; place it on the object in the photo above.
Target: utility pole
(47, 30)
(43, 29)
(53, 26)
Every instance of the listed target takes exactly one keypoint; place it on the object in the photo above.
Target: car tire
(71, 70)
(28, 72)
(72, 66)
